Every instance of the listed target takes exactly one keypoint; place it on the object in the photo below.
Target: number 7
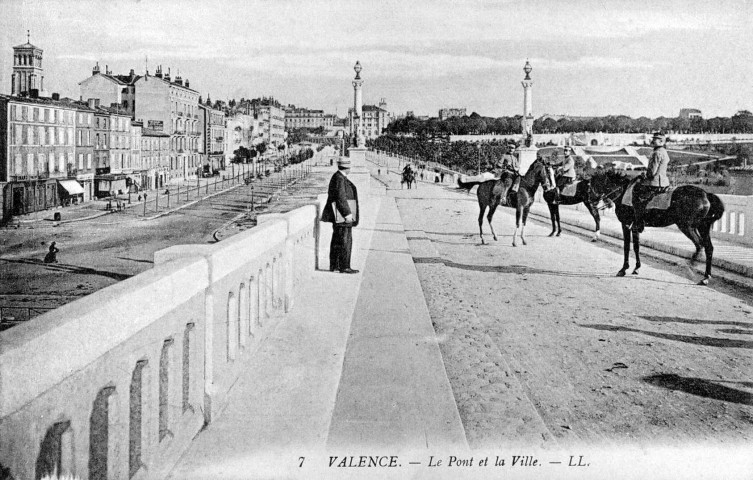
(301, 459)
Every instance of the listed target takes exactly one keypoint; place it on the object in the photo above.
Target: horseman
(654, 181)
(511, 163)
(565, 172)
(407, 169)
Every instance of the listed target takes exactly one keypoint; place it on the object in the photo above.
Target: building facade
(690, 113)
(303, 118)
(37, 151)
(84, 168)
(271, 123)
(155, 157)
(241, 130)
(374, 120)
(212, 124)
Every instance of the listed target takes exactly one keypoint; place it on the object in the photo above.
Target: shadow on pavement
(62, 267)
(694, 339)
(519, 269)
(700, 387)
(692, 321)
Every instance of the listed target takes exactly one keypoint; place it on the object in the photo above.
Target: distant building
(155, 157)
(446, 113)
(375, 119)
(303, 118)
(690, 113)
(271, 123)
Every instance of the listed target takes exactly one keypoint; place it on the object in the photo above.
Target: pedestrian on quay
(441, 176)
(51, 256)
(342, 211)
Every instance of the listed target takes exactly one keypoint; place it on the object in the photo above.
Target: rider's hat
(343, 162)
(568, 148)
(659, 136)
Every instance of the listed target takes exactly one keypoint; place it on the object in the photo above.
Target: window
(36, 114)
(70, 160)
(47, 115)
(61, 163)
(80, 161)
(51, 163)
(41, 162)
(88, 160)
(13, 112)
(24, 113)
(30, 163)
(40, 135)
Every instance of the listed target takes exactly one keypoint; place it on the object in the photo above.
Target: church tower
(28, 74)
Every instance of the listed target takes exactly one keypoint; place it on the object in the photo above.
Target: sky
(590, 57)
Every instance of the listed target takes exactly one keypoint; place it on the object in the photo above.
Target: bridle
(607, 196)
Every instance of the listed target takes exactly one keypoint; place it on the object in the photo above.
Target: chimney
(107, 70)
(133, 74)
(186, 83)
(95, 70)
(167, 77)
(179, 80)
(158, 73)
(56, 96)
(34, 93)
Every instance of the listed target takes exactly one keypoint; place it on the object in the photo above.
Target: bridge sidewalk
(354, 368)
(730, 256)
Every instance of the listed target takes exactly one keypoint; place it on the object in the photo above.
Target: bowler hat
(343, 162)
(659, 136)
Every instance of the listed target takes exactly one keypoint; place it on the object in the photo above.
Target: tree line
(475, 124)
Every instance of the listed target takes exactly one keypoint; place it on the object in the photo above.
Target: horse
(492, 193)
(583, 194)
(691, 208)
(409, 177)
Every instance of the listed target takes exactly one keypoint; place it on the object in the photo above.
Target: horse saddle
(570, 189)
(660, 201)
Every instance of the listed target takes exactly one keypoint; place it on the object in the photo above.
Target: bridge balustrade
(117, 384)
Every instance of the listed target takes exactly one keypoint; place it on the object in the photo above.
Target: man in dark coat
(342, 211)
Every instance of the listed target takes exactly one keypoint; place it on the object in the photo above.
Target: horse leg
(552, 217)
(482, 208)
(637, 249)
(694, 237)
(489, 216)
(517, 224)
(595, 214)
(705, 232)
(523, 228)
(557, 215)
(626, 250)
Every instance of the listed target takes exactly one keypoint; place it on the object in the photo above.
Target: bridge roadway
(443, 347)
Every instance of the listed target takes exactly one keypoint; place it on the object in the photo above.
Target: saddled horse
(582, 194)
(691, 208)
(409, 177)
(491, 194)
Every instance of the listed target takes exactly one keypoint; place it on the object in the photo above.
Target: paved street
(543, 345)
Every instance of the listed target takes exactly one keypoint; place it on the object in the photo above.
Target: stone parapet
(117, 384)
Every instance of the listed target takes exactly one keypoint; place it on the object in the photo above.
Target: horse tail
(716, 210)
(467, 185)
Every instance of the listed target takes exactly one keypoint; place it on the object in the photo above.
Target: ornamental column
(359, 174)
(527, 151)
(358, 141)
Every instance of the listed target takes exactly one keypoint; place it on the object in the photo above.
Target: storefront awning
(72, 186)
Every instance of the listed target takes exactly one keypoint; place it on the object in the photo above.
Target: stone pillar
(359, 174)
(526, 153)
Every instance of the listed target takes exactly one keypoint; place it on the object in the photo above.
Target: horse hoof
(705, 281)
(635, 272)
(495, 238)
(593, 240)
(524, 242)
(559, 233)
(621, 273)
(551, 234)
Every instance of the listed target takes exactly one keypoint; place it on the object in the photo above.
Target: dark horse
(409, 177)
(692, 209)
(583, 194)
(491, 193)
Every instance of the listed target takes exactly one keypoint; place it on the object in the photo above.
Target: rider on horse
(566, 172)
(511, 163)
(654, 181)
